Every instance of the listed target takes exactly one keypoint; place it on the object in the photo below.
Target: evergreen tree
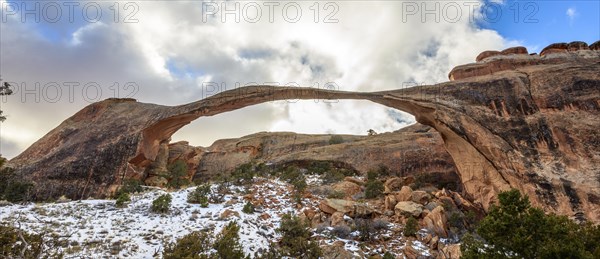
(228, 242)
(514, 229)
(295, 238)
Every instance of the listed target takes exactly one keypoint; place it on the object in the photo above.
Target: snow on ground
(97, 229)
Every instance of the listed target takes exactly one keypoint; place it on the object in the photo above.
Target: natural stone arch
(416, 101)
(503, 130)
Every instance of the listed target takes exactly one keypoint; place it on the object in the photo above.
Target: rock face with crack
(509, 121)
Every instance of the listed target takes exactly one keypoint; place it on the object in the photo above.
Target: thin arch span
(422, 102)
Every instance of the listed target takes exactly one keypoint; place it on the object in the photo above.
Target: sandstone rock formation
(510, 121)
(408, 208)
(332, 206)
(346, 207)
(347, 188)
(416, 149)
(420, 197)
(405, 194)
(489, 62)
(436, 221)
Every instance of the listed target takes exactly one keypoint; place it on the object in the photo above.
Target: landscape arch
(516, 128)
(420, 102)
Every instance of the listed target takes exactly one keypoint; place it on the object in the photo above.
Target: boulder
(577, 45)
(463, 203)
(390, 202)
(310, 213)
(63, 199)
(158, 181)
(392, 185)
(410, 252)
(426, 239)
(265, 216)
(595, 45)
(407, 180)
(408, 208)
(554, 48)
(228, 214)
(347, 188)
(337, 219)
(231, 202)
(431, 205)
(442, 193)
(337, 251)
(447, 201)
(354, 180)
(487, 54)
(515, 51)
(331, 206)
(363, 210)
(436, 221)
(433, 243)
(450, 252)
(420, 197)
(405, 194)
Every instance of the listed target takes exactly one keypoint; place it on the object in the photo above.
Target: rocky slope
(100, 229)
(511, 120)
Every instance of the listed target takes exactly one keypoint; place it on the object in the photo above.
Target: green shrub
(299, 183)
(434, 179)
(228, 244)
(199, 195)
(35, 245)
(122, 200)
(336, 139)
(341, 231)
(132, 186)
(18, 191)
(336, 195)
(374, 187)
(289, 173)
(248, 208)
(383, 171)
(293, 176)
(515, 228)
(411, 227)
(295, 238)
(178, 174)
(196, 245)
(388, 255)
(204, 202)
(319, 167)
(263, 170)
(365, 229)
(162, 204)
(12, 187)
(333, 176)
(273, 252)
(216, 198)
(11, 244)
(243, 174)
(381, 224)
(456, 220)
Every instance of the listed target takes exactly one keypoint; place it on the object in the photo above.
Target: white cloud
(170, 52)
(572, 13)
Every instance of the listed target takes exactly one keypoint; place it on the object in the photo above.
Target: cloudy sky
(61, 56)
